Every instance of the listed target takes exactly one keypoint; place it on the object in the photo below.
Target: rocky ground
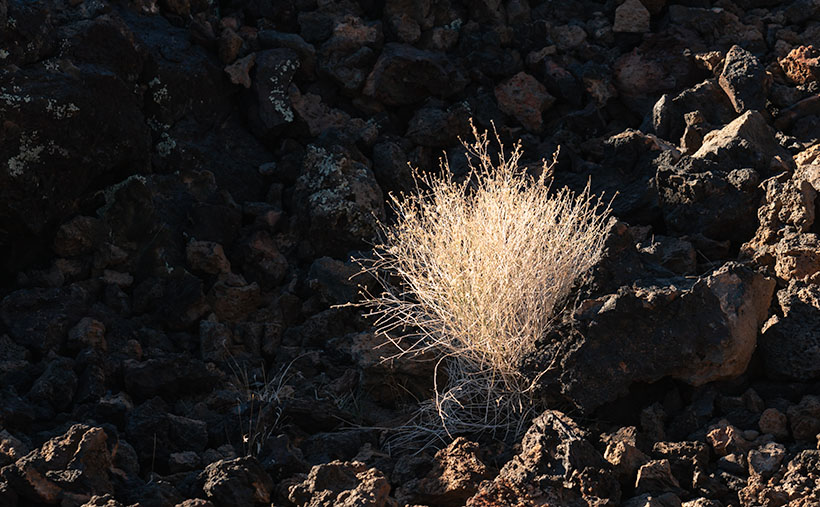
(183, 183)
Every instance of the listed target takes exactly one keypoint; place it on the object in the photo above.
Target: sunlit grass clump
(472, 273)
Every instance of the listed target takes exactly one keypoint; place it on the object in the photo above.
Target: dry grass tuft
(474, 273)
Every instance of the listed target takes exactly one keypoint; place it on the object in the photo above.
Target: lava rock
(632, 17)
(168, 377)
(275, 69)
(341, 483)
(455, 477)
(788, 341)
(67, 468)
(240, 481)
(338, 201)
(802, 64)
(57, 385)
(40, 319)
(719, 205)
(744, 80)
(554, 449)
(525, 98)
(405, 75)
(716, 340)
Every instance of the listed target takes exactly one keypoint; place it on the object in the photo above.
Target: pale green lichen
(61, 111)
(278, 93)
(12, 99)
(29, 153)
(166, 145)
(160, 94)
(110, 192)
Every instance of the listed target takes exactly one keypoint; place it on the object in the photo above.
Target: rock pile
(183, 184)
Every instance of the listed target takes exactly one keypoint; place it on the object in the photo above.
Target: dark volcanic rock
(789, 343)
(744, 80)
(57, 385)
(338, 201)
(668, 115)
(275, 69)
(404, 75)
(62, 135)
(341, 483)
(554, 451)
(240, 481)
(721, 206)
(696, 332)
(69, 468)
(40, 318)
(745, 142)
(168, 376)
(455, 477)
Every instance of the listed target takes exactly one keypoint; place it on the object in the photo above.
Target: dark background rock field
(183, 184)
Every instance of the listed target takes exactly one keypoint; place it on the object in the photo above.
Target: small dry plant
(260, 401)
(474, 272)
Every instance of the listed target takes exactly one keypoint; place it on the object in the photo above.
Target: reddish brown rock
(802, 64)
(656, 477)
(632, 17)
(208, 257)
(727, 439)
(455, 477)
(67, 468)
(774, 422)
(239, 71)
(525, 98)
(343, 484)
(233, 299)
(230, 43)
(804, 419)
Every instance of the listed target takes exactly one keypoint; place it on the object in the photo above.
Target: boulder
(632, 17)
(455, 477)
(697, 331)
(789, 340)
(525, 98)
(554, 454)
(721, 206)
(802, 64)
(403, 75)
(275, 69)
(744, 80)
(745, 142)
(240, 481)
(350, 53)
(668, 119)
(168, 376)
(69, 468)
(40, 319)
(343, 484)
(338, 201)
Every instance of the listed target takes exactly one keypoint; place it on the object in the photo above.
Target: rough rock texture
(240, 481)
(184, 184)
(404, 75)
(744, 80)
(455, 477)
(554, 454)
(69, 468)
(523, 97)
(343, 484)
(631, 16)
(339, 200)
(712, 322)
(789, 338)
